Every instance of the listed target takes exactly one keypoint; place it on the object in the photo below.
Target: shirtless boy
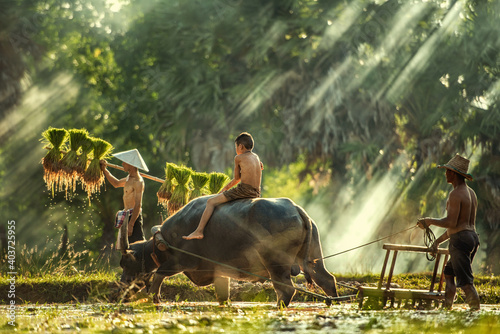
(460, 227)
(247, 175)
(133, 189)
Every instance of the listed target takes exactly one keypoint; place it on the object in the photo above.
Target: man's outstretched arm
(113, 180)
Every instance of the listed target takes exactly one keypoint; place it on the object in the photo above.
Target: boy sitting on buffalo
(247, 175)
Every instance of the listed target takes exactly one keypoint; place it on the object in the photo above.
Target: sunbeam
(421, 59)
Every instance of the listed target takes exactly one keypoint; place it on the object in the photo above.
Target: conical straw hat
(133, 158)
(459, 165)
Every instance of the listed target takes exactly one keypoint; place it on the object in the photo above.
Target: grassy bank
(103, 286)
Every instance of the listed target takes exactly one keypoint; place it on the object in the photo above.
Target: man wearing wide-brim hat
(133, 189)
(460, 224)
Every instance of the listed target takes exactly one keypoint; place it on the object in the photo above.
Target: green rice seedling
(70, 159)
(165, 192)
(55, 139)
(200, 181)
(82, 160)
(180, 194)
(94, 177)
(217, 182)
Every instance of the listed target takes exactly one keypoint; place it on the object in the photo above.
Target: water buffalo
(264, 236)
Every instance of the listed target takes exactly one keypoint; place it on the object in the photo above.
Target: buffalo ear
(123, 244)
(128, 258)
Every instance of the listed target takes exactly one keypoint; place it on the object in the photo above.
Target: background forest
(351, 104)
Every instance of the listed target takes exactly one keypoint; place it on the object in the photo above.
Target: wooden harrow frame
(380, 295)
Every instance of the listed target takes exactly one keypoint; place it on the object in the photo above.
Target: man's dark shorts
(242, 190)
(463, 247)
(137, 233)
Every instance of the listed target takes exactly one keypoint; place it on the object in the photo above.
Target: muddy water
(240, 317)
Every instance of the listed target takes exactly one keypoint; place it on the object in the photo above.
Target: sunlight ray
(359, 221)
(400, 33)
(339, 26)
(421, 58)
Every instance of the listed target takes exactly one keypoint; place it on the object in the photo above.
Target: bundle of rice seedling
(165, 192)
(55, 138)
(82, 160)
(180, 194)
(200, 180)
(93, 177)
(217, 182)
(70, 159)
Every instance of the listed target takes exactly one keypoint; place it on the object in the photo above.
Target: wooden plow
(380, 295)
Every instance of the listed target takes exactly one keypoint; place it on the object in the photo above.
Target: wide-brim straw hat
(459, 165)
(133, 158)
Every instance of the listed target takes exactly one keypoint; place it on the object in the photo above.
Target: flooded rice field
(245, 317)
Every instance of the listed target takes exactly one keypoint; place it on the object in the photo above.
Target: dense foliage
(348, 90)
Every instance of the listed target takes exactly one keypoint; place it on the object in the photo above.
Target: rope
(347, 286)
(259, 276)
(429, 239)
(369, 243)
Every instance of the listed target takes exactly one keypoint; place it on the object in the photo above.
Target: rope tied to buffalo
(429, 239)
(327, 298)
(369, 243)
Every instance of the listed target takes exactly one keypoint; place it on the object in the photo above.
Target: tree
(355, 90)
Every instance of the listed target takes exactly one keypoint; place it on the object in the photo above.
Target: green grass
(102, 286)
(61, 279)
(35, 262)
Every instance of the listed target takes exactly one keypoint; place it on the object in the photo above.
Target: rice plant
(93, 177)
(82, 160)
(69, 174)
(180, 194)
(165, 192)
(200, 180)
(55, 139)
(217, 182)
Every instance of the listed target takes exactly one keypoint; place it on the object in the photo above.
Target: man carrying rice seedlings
(247, 174)
(133, 189)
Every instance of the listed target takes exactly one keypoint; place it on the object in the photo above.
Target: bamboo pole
(154, 178)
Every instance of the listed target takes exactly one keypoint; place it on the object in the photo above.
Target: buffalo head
(132, 260)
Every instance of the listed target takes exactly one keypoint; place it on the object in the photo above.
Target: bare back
(462, 207)
(247, 168)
